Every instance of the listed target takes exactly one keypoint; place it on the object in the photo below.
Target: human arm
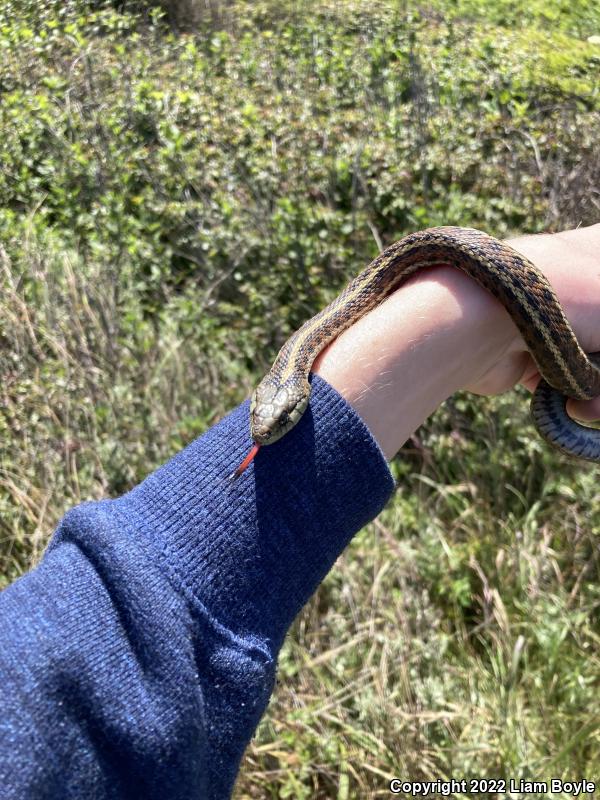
(138, 658)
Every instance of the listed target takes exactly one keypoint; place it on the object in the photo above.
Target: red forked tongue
(246, 462)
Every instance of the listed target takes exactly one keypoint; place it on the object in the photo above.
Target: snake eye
(284, 418)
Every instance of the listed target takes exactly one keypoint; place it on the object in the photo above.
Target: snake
(566, 371)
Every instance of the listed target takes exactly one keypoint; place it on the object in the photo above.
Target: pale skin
(441, 332)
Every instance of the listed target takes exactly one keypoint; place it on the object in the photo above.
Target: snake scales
(282, 396)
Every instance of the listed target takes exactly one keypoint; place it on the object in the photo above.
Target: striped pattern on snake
(282, 396)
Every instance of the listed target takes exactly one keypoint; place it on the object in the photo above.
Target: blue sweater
(139, 656)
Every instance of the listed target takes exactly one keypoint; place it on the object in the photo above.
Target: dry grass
(174, 206)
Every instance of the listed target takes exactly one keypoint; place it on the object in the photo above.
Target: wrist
(439, 333)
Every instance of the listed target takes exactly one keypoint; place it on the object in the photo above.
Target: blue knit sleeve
(137, 659)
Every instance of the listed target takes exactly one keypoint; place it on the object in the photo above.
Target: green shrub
(173, 205)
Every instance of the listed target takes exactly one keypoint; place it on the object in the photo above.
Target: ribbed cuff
(252, 551)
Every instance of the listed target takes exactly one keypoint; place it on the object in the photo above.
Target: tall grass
(174, 204)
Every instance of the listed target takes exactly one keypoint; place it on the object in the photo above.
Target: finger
(586, 410)
(531, 377)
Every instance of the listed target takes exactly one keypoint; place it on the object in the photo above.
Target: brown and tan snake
(282, 396)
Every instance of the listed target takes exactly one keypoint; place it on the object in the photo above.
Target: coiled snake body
(282, 396)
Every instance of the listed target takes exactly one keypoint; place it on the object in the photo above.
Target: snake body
(282, 396)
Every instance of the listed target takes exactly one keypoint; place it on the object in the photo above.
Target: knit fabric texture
(137, 659)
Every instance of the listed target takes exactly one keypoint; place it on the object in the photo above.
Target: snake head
(276, 408)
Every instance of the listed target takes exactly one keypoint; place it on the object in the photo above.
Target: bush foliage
(182, 186)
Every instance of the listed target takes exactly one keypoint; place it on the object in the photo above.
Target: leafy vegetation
(173, 204)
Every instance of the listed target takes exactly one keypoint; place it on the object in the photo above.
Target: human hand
(571, 262)
(441, 332)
